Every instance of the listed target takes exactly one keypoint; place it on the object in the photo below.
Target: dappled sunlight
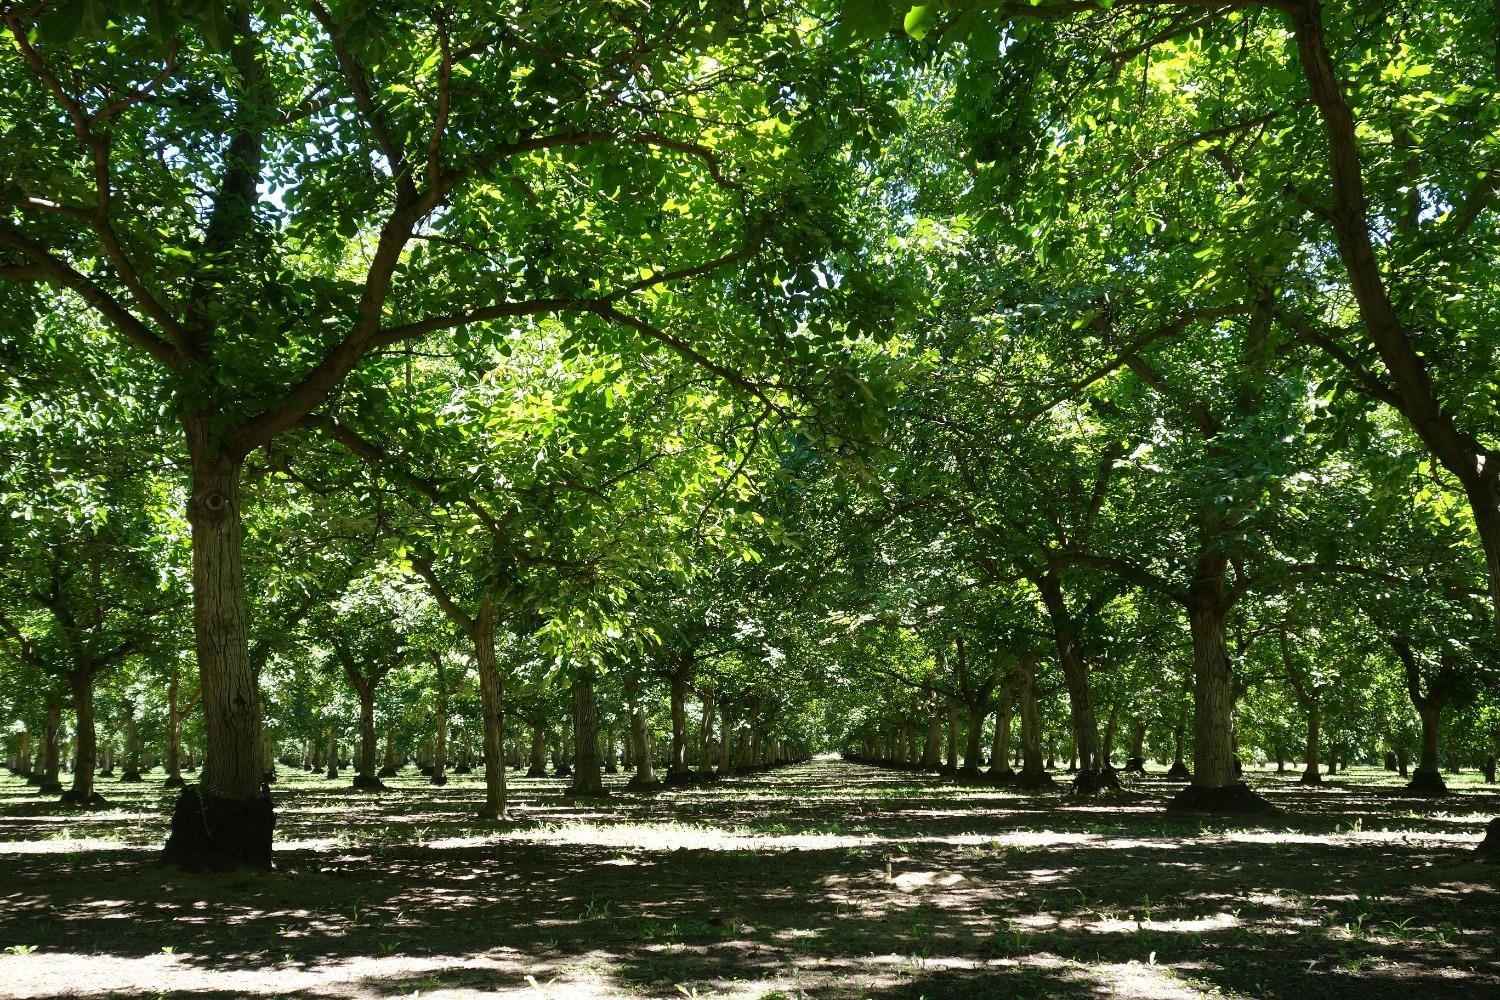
(796, 881)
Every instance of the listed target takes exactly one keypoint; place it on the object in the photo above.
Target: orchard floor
(821, 880)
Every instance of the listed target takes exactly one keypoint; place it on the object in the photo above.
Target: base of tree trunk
(1179, 772)
(1238, 798)
(438, 780)
(387, 772)
(33, 779)
(1004, 776)
(71, 798)
(1310, 777)
(49, 788)
(562, 771)
(1039, 781)
(463, 769)
(492, 816)
(1489, 847)
(107, 773)
(331, 776)
(611, 769)
(1105, 779)
(1135, 765)
(1427, 783)
(210, 833)
(364, 784)
(268, 777)
(131, 778)
(536, 772)
(637, 785)
(174, 781)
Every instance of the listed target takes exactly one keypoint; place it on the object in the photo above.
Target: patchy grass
(823, 880)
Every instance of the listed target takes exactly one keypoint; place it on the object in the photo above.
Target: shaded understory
(822, 880)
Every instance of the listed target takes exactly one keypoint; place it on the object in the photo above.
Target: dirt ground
(822, 880)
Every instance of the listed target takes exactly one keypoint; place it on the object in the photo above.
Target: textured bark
(132, 772)
(333, 753)
(950, 764)
(538, 759)
(49, 758)
(491, 697)
(645, 774)
(439, 775)
(173, 762)
(1033, 773)
(1075, 671)
(726, 744)
(587, 779)
(679, 679)
(973, 750)
(229, 685)
(706, 744)
(1310, 775)
(932, 747)
(1213, 695)
(81, 682)
(1000, 749)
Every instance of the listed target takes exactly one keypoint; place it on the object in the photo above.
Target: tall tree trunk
(226, 821)
(679, 766)
(81, 682)
(1111, 727)
(726, 734)
(174, 727)
(491, 697)
(365, 776)
(973, 750)
(932, 747)
(1213, 695)
(645, 774)
(1000, 750)
(1310, 775)
(587, 779)
(1033, 773)
(1075, 672)
(49, 761)
(950, 765)
(440, 751)
(1428, 776)
(538, 760)
(706, 736)
(333, 752)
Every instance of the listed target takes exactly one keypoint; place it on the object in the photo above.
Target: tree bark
(973, 750)
(81, 682)
(932, 748)
(679, 765)
(226, 822)
(587, 779)
(1213, 695)
(49, 761)
(491, 697)
(645, 774)
(440, 751)
(333, 752)
(1033, 772)
(726, 743)
(1000, 750)
(1075, 671)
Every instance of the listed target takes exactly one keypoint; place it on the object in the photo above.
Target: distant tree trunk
(538, 763)
(491, 696)
(645, 774)
(1033, 774)
(932, 747)
(174, 728)
(679, 764)
(587, 779)
(950, 766)
(973, 750)
(726, 734)
(1000, 751)
(333, 752)
(440, 749)
(706, 735)
(1111, 730)
(1310, 775)
(610, 763)
(49, 759)
(132, 772)
(1075, 670)
(390, 767)
(81, 681)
